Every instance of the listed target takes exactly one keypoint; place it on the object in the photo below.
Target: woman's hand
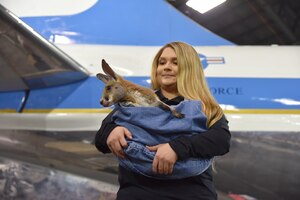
(164, 159)
(116, 140)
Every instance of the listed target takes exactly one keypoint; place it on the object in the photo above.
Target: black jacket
(214, 142)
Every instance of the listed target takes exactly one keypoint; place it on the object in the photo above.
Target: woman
(176, 75)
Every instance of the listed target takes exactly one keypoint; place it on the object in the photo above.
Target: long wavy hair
(191, 82)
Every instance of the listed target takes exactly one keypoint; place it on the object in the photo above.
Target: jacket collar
(173, 101)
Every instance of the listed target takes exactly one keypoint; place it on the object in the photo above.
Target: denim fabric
(151, 126)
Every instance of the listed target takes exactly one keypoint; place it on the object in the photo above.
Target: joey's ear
(104, 78)
(108, 70)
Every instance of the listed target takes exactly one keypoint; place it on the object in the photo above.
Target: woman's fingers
(161, 167)
(127, 133)
(118, 150)
(164, 159)
(155, 165)
(116, 141)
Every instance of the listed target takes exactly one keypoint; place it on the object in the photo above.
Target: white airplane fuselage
(257, 86)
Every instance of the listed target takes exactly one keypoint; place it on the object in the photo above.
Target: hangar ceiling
(250, 22)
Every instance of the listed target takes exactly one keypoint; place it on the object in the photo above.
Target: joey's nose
(101, 101)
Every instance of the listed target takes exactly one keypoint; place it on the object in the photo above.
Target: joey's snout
(101, 102)
(105, 102)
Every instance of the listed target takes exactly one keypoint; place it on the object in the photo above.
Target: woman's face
(167, 69)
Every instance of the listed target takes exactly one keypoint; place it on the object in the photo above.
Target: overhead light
(203, 6)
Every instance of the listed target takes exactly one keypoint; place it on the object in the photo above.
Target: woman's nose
(168, 66)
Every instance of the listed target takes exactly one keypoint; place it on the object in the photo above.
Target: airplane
(50, 53)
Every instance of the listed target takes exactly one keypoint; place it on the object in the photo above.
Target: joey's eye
(108, 87)
(116, 87)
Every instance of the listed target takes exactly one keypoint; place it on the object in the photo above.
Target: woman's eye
(161, 62)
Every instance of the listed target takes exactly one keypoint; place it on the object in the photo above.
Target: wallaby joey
(119, 90)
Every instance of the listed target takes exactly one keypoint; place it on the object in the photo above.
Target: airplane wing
(28, 61)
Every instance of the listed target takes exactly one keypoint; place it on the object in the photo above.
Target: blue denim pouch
(151, 126)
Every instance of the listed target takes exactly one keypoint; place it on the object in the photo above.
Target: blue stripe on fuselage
(12, 101)
(240, 93)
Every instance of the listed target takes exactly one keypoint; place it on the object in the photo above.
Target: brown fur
(119, 90)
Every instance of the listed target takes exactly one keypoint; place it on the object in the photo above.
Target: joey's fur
(119, 90)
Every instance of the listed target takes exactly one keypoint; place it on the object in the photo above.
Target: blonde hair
(191, 82)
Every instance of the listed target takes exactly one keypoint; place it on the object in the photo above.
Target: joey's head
(112, 93)
(113, 90)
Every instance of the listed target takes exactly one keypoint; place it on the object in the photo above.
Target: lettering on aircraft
(205, 60)
(226, 91)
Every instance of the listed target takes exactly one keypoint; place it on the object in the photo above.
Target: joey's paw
(179, 115)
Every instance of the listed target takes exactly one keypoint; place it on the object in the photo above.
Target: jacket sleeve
(214, 142)
(102, 134)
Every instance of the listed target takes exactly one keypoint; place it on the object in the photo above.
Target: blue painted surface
(255, 93)
(12, 100)
(83, 94)
(131, 22)
(242, 93)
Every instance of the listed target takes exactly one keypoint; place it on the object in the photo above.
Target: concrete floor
(35, 163)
